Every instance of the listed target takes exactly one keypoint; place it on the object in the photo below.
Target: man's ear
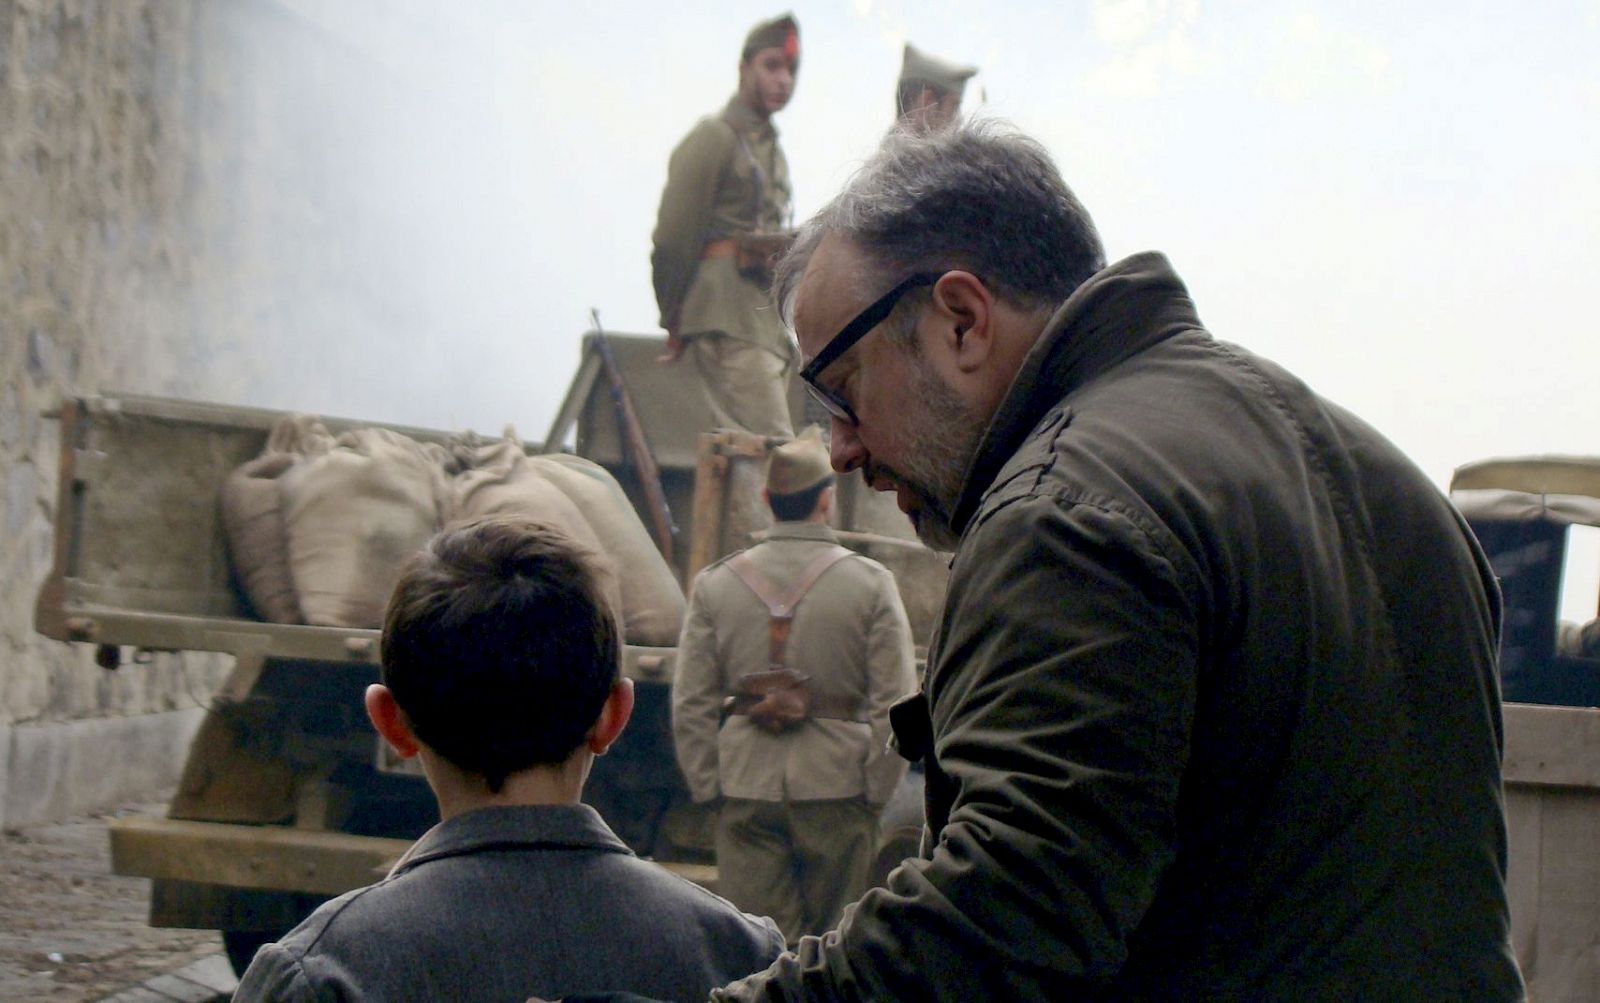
(390, 721)
(613, 717)
(963, 308)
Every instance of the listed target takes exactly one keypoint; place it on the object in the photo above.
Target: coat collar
(550, 827)
(801, 530)
(1117, 313)
(745, 121)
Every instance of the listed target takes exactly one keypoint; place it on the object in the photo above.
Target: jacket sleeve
(697, 697)
(891, 675)
(274, 974)
(1062, 698)
(693, 174)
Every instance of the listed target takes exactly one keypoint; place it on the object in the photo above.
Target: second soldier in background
(724, 213)
(928, 95)
(791, 654)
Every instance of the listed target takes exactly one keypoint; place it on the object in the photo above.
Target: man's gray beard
(938, 451)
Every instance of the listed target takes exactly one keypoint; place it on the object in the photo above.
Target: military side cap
(799, 464)
(782, 32)
(917, 67)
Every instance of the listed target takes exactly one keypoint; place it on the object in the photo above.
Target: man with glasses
(1212, 712)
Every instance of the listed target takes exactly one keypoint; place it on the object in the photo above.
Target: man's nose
(845, 449)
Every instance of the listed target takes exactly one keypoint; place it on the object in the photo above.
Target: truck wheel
(241, 946)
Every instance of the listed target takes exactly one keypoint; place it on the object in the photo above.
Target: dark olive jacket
(1213, 708)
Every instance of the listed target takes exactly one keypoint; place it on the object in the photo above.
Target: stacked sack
(319, 526)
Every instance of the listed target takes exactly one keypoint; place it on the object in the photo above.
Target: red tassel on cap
(791, 45)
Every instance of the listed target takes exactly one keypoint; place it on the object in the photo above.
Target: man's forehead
(825, 299)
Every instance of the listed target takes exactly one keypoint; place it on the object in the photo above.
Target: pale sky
(1400, 203)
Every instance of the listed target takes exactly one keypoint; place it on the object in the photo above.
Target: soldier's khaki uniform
(797, 831)
(727, 177)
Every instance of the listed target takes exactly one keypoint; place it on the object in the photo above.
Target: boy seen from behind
(501, 671)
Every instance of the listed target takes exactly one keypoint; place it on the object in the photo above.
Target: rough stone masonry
(101, 109)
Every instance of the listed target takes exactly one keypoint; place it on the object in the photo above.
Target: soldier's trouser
(800, 862)
(746, 386)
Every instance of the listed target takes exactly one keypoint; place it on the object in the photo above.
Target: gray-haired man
(1212, 712)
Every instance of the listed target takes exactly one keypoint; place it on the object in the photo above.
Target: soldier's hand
(674, 350)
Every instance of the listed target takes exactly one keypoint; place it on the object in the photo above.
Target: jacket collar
(745, 121)
(550, 827)
(801, 530)
(1117, 313)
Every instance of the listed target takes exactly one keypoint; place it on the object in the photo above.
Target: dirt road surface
(70, 930)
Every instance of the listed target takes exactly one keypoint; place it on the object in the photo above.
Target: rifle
(636, 448)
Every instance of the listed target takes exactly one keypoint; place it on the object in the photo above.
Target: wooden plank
(710, 487)
(1566, 966)
(246, 856)
(1553, 746)
(229, 635)
(1523, 871)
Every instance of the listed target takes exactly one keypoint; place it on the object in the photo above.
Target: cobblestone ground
(70, 929)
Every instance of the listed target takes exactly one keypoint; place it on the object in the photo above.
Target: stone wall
(100, 103)
(215, 200)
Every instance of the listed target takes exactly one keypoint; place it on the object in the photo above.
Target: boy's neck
(459, 792)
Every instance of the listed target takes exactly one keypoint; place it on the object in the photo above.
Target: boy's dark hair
(798, 504)
(499, 646)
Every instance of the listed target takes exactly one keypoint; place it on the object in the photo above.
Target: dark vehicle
(1523, 512)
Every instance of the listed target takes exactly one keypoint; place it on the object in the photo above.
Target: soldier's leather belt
(727, 247)
(831, 708)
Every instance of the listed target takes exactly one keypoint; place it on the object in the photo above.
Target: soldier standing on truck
(792, 653)
(724, 214)
(928, 94)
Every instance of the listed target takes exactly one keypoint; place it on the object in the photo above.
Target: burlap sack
(652, 600)
(496, 479)
(352, 516)
(252, 517)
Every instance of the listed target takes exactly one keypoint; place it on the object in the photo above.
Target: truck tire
(241, 946)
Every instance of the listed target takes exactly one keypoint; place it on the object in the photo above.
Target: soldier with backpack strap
(791, 654)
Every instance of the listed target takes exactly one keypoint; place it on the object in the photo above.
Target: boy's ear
(613, 717)
(390, 721)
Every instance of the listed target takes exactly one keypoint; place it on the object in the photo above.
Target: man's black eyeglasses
(853, 332)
